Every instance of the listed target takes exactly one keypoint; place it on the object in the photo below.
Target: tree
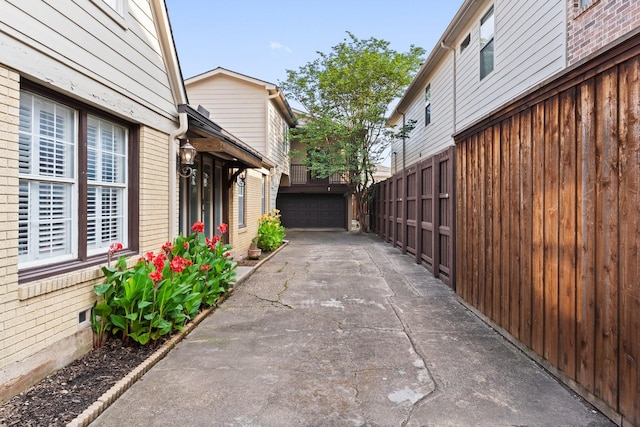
(346, 94)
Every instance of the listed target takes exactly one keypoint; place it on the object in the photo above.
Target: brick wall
(40, 330)
(240, 238)
(597, 24)
(154, 189)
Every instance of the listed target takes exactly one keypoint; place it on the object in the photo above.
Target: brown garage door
(312, 210)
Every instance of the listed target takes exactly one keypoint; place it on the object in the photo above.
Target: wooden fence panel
(526, 227)
(426, 223)
(422, 207)
(567, 234)
(550, 229)
(606, 243)
(629, 371)
(411, 211)
(548, 225)
(586, 236)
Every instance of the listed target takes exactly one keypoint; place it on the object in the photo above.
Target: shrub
(163, 291)
(270, 231)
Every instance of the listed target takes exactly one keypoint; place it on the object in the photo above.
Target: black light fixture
(186, 159)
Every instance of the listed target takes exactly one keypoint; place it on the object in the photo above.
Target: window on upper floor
(427, 105)
(117, 5)
(285, 137)
(583, 4)
(74, 183)
(487, 27)
(465, 43)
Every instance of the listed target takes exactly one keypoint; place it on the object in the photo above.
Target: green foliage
(346, 94)
(163, 291)
(270, 231)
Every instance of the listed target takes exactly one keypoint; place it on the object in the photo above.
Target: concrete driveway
(340, 329)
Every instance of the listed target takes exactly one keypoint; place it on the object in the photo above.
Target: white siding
(424, 141)
(237, 106)
(278, 138)
(529, 47)
(80, 50)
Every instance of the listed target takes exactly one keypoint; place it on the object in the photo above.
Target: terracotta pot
(254, 253)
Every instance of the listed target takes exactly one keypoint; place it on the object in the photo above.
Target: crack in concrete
(436, 388)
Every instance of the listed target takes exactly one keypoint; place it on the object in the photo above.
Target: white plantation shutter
(107, 184)
(47, 158)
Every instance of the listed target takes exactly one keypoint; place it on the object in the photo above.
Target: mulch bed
(62, 396)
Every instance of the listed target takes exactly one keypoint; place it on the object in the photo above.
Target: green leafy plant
(163, 291)
(271, 233)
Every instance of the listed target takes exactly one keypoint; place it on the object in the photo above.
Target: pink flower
(197, 227)
(156, 276)
(223, 228)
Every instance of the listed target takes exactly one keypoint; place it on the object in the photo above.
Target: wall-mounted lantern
(186, 159)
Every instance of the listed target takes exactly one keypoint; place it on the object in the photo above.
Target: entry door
(203, 192)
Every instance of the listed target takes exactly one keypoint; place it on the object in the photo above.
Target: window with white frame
(241, 202)
(73, 182)
(117, 5)
(427, 105)
(487, 30)
(263, 195)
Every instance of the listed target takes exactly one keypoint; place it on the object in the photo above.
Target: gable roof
(170, 55)
(273, 91)
(459, 22)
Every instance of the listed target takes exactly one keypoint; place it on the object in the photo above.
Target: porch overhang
(208, 137)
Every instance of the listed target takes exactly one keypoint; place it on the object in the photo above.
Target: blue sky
(262, 39)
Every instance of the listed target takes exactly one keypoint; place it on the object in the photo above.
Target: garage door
(312, 210)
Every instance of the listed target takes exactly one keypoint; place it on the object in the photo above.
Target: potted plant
(254, 251)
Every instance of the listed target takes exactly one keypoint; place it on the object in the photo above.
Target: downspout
(455, 97)
(404, 142)
(174, 137)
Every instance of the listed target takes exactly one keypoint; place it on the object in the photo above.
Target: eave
(207, 136)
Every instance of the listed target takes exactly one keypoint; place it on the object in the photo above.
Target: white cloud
(279, 46)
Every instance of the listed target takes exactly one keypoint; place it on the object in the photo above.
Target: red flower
(149, 256)
(156, 276)
(167, 247)
(205, 267)
(115, 247)
(186, 245)
(222, 228)
(197, 227)
(227, 254)
(177, 264)
(159, 261)
(211, 242)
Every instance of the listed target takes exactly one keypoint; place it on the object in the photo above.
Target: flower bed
(162, 292)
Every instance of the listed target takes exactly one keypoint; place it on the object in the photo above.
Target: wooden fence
(548, 225)
(415, 211)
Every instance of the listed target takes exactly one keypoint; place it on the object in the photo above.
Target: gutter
(173, 167)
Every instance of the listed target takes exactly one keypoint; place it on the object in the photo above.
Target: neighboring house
(93, 109)
(490, 52)
(313, 202)
(542, 101)
(257, 113)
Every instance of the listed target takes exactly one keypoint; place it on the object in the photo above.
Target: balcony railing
(300, 176)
